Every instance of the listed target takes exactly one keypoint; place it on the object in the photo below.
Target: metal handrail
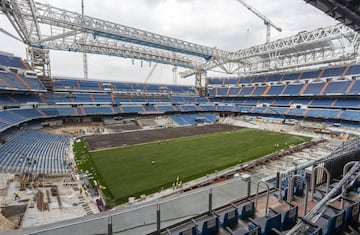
(267, 195)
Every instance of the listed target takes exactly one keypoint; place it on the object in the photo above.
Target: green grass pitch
(146, 168)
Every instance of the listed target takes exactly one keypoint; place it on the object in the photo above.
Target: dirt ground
(96, 142)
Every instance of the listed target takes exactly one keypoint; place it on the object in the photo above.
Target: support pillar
(158, 219)
(210, 201)
(110, 228)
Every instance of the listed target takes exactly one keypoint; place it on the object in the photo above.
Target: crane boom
(150, 73)
(266, 20)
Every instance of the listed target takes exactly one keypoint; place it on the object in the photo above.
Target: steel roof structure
(345, 11)
(43, 27)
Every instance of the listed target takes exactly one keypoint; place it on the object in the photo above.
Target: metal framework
(345, 11)
(44, 27)
(323, 45)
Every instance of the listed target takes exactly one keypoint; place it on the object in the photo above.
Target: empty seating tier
(35, 151)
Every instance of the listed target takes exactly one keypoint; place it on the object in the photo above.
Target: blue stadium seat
(355, 90)
(271, 221)
(351, 115)
(234, 91)
(290, 77)
(347, 102)
(310, 74)
(246, 91)
(352, 212)
(245, 80)
(333, 72)
(102, 98)
(215, 81)
(354, 69)
(274, 78)
(97, 110)
(208, 107)
(132, 108)
(222, 91)
(231, 81)
(323, 113)
(11, 61)
(34, 83)
(337, 87)
(188, 108)
(36, 152)
(259, 79)
(15, 82)
(289, 215)
(209, 225)
(246, 210)
(165, 108)
(293, 89)
(332, 221)
(228, 217)
(321, 102)
(259, 90)
(275, 90)
(314, 88)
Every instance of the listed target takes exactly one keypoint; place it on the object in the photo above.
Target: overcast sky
(224, 24)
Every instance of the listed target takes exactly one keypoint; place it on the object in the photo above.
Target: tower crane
(266, 20)
(150, 73)
(85, 61)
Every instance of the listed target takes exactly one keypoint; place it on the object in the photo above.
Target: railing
(148, 217)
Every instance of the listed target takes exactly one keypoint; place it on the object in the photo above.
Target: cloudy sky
(224, 24)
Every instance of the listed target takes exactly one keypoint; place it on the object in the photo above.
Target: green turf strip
(129, 171)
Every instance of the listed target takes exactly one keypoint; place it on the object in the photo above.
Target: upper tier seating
(353, 69)
(12, 61)
(279, 94)
(290, 77)
(337, 87)
(15, 82)
(310, 74)
(314, 88)
(61, 84)
(293, 89)
(331, 72)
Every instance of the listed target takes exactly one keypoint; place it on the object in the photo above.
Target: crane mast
(266, 20)
(85, 61)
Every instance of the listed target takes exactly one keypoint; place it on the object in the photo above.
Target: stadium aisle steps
(350, 87)
(324, 88)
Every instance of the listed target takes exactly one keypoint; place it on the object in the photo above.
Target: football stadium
(265, 141)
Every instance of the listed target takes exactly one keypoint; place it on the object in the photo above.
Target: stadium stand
(270, 95)
(310, 74)
(290, 76)
(334, 88)
(193, 119)
(35, 151)
(333, 72)
(12, 61)
(329, 95)
(14, 82)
